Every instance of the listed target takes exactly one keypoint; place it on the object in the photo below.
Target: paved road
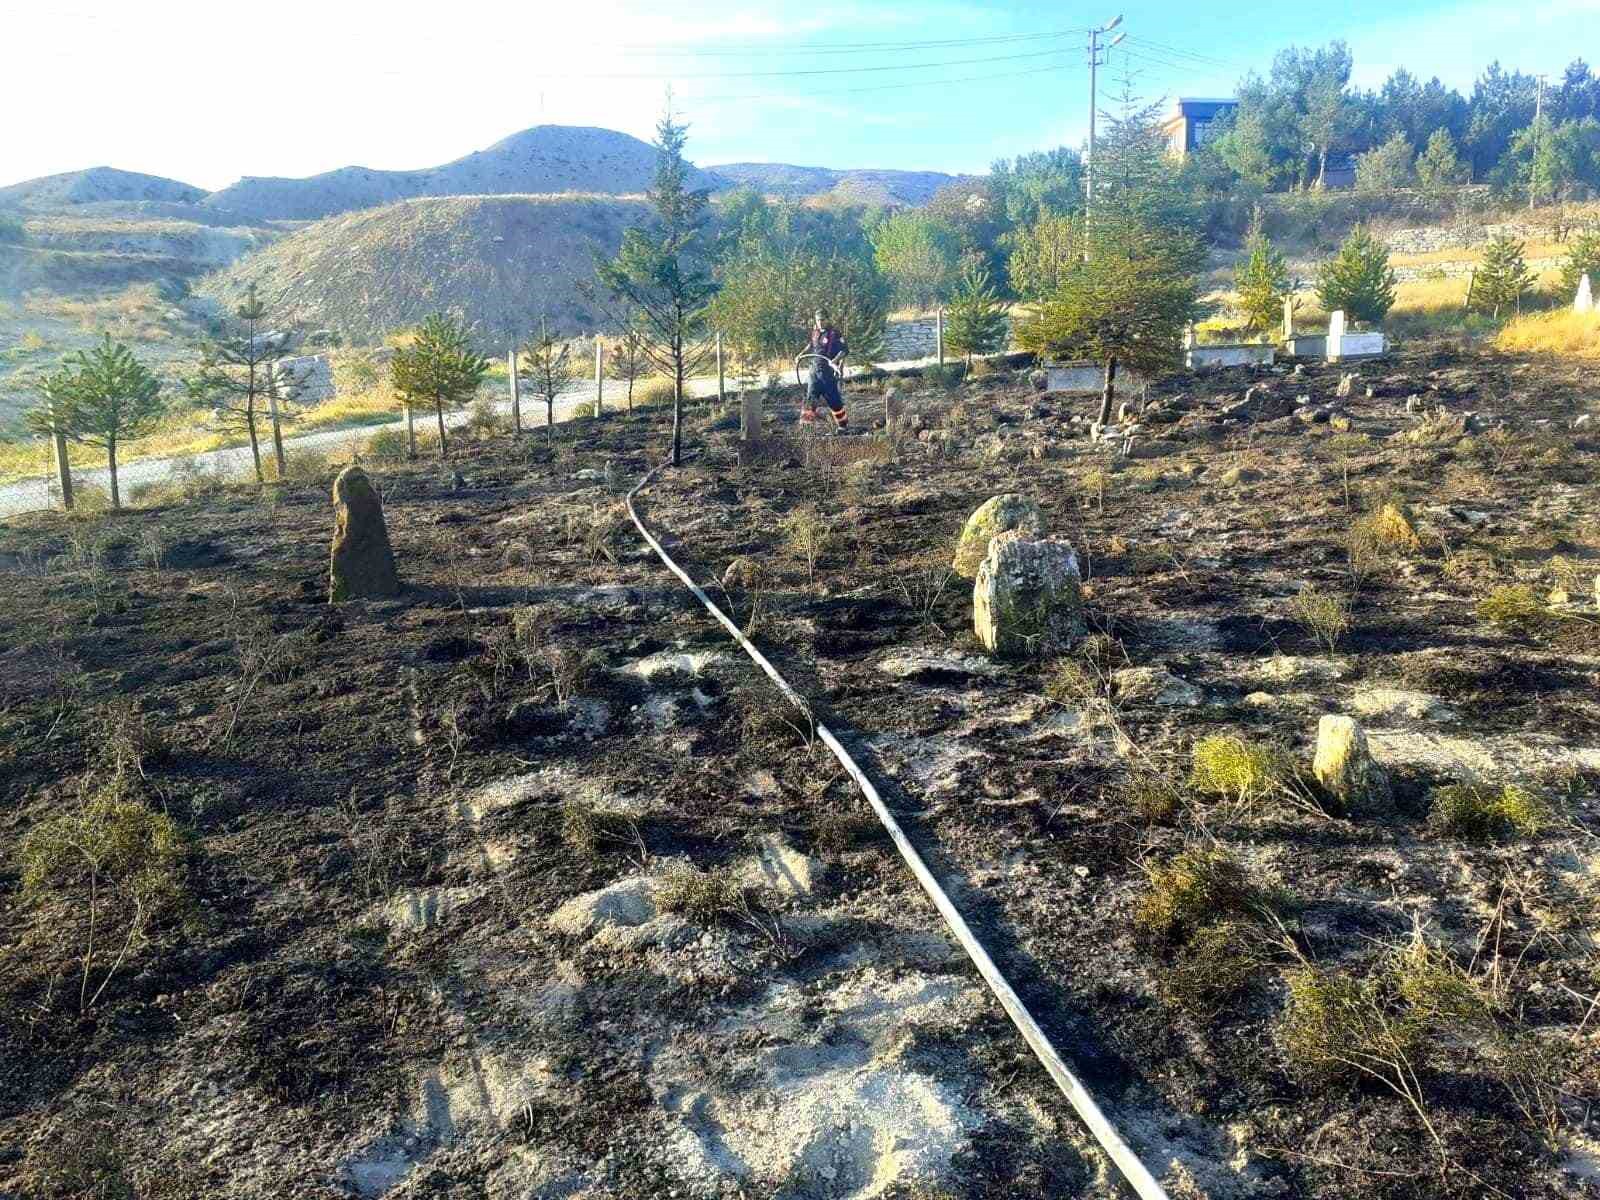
(33, 494)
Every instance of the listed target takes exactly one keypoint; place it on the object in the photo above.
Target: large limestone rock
(1345, 766)
(1028, 598)
(362, 563)
(994, 516)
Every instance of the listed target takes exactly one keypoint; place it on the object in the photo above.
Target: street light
(1115, 40)
(1113, 23)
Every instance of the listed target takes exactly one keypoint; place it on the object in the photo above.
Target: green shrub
(1214, 966)
(1196, 888)
(701, 896)
(1337, 1028)
(1516, 607)
(1227, 766)
(1324, 616)
(11, 229)
(948, 376)
(485, 421)
(121, 860)
(387, 446)
(1262, 280)
(1481, 812)
(653, 393)
(588, 829)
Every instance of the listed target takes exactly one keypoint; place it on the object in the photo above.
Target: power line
(889, 87)
(1182, 52)
(948, 62)
(643, 50)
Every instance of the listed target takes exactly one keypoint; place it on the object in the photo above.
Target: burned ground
(527, 884)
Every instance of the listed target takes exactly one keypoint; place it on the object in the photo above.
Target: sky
(206, 92)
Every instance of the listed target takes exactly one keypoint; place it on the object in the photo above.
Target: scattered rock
(1154, 685)
(1344, 764)
(1028, 598)
(1238, 475)
(1400, 703)
(935, 667)
(778, 867)
(1296, 669)
(742, 572)
(623, 904)
(690, 664)
(1347, 383)
(996, 515)
(361, 564)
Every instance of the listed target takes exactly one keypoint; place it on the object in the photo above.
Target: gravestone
(1585, 298)
(361, 564)
(1028, 598)
(993, 517)
(1345, 766)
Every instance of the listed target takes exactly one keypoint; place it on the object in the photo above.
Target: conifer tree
(659, 280)
(1262, 280)
(976, 320)
(1502, 277)
(1358, 279)
(551, 367)
(439, 367)
(238, 377)
(1583, 258)
(101, 397)
(1439, 166)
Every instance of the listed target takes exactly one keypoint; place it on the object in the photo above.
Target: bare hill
(544, 159)
(96, 184)
(857, 187)
(500, 261)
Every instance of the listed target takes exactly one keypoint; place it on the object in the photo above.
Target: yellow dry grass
(1560, 332)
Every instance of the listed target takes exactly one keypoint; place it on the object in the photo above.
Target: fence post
(1288, 318)
(750, 415)
(58, 441)
(938, 333)
(722, 391)
(516, 391)
(599, 374)
(277, 429)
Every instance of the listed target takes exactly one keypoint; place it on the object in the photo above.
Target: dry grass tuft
(1193, 890)
(1482, 812)
(700, 896)
(1563, 331)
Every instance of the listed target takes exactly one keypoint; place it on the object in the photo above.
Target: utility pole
(1094, 107)
(1533, 168)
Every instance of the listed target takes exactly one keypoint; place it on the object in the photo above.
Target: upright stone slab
(1336, 336)
(1345, 766)
(1028, 598)
(995, 515)
(1584, 301)
(361, 566)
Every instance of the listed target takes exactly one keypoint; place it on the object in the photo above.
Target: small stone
(742, 572)
(458, 482)
(361, 563)
(1028, 597)
(1347, 384)
(1344, 764)
(997, 515)
(1238, 475)
(1153, 685)
(1413, 403)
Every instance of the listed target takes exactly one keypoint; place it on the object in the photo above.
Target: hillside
(502, 261)
(544, 159)
(94, 185)
(858, 187)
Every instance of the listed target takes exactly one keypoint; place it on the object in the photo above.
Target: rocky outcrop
(994, 516)
(1028, 598)
(1344, 764)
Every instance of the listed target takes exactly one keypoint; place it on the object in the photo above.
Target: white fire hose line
(1138, 1177)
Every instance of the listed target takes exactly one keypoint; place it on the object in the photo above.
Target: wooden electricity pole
(599, 374)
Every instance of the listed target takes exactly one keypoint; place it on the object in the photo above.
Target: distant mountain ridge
(543, 160)
(95, 185)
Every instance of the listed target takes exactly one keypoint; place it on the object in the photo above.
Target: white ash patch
(934, 765)
(689, 664)
(1400, 704)
(624, 903)
(425, 908)
(509, 792)
(778, 867)
(1291, 668)
(1517, 756)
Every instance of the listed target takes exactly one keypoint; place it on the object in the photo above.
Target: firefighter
(828, 344)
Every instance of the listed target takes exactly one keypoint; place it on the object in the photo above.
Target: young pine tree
(1262, 280)
(1358, 279)
(237, 378)
(976, 321)
(625, 361)
(552, 368)
(660, 275)
(1502, 277)
(1129, 302)
(439, 367)
(1583, 258)
(102, 397)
